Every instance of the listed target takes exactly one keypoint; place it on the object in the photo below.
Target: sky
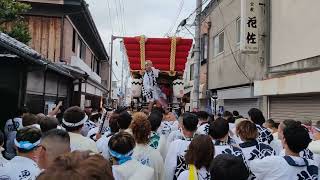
(152, 18)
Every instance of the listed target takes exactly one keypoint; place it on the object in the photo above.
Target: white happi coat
(3, 160)
(227, 148)
(10, 132)
(314, 146)
(9, 127)
(175, 162)
(132, 170)
(166, 127)
(265, 136)
(87, 126)
(150, 88)
(103, 148)
(81, 143)
(203, 128)
(20, 168)
(255, 150)
(284, 168)
(159, 142)
(151, 158)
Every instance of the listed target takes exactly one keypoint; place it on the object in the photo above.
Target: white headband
(68, 124)
(317, 129)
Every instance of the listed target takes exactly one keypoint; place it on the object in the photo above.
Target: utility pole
(123, 66)
(110, 77)
(111, 64)
(196, 50)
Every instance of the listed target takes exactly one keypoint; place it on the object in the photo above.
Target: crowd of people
(157, 145)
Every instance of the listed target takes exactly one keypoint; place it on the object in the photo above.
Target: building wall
(105, 74)
(67, 47)
(223, 68)
(67, 41)
(203, 74)
(294, 31)
(46, 36)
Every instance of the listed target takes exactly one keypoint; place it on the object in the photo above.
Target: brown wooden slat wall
(295, 107)
(46, 36)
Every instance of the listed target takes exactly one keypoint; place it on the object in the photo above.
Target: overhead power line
(110, 19)
(176, 18)
(229, 44)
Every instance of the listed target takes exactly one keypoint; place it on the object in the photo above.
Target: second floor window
(204, 47)
(238, 30)
(81, 50)
(74, 40)
(218, 44)
(191, 72)
(98, 68)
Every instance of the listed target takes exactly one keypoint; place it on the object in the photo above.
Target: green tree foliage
(10, 12)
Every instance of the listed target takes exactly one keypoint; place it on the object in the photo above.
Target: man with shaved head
(53, 143)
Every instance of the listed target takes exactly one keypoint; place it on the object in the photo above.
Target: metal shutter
(295, 107)
(241, 105)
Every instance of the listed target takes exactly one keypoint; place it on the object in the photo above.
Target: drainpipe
(267, 36)
(44, 86)
(208, 59)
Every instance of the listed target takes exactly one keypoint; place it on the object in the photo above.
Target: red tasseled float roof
(157, 50)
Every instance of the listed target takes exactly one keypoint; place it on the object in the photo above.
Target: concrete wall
(294, 31)
(223, 69)
(105, 74)
(291, 84)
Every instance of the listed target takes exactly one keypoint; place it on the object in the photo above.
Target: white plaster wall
(295, 28)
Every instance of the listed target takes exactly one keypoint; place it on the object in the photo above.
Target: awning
(291, 84)
(167, 54)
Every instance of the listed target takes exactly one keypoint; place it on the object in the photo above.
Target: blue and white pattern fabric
(154, 140)
(12, 125)
(306, 153)
(150, 157)
(254, 150)
(122, 158)
(284, 168)
(203, 128)
(228, 149)
(150, 89)
(26, 145)
(175, 162)
(265, 136)
(20, 168)
(166, 127)
(87, 126)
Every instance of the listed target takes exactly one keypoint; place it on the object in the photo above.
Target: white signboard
(249, 26)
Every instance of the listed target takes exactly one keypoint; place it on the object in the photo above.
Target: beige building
(232, 69)
(292, 87)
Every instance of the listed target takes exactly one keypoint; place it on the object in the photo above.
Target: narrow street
(159, 90)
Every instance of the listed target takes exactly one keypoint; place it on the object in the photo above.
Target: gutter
(94, 28)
